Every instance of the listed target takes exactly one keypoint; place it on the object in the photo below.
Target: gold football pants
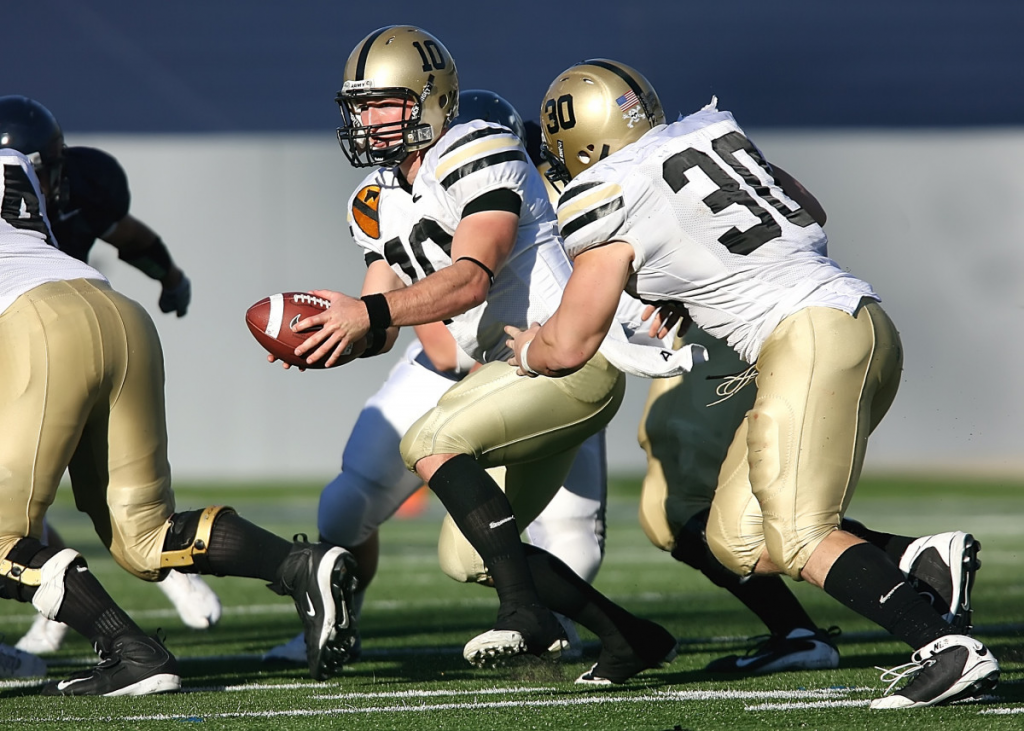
(686, 439)
(531, 426)
(81, 387)
(825, 380)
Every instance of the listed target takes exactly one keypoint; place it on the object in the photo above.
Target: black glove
(176, 299)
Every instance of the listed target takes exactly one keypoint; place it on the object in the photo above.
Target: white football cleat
(801, 649)
(941, 568)
(949, 669)
(294, 650)
(194, 600)
(15, 663)
(45, 635)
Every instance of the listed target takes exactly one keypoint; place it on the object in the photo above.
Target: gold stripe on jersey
(600, 202)
(471, 150)
(364, 211)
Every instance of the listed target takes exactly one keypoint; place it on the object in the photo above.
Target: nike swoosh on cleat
(496, 523)
(68, 683)
(885, 597)
(309, 602)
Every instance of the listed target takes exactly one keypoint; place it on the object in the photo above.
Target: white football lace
(731, 385)
(311, 300)
(894, 675)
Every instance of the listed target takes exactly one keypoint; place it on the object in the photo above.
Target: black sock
(484, 515)
(774, 604)
(766, 596)
(864, 579)
(239, 548)
(894, 546)
(88, 608)
(562, 590)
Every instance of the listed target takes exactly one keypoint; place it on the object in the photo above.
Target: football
(271, 320)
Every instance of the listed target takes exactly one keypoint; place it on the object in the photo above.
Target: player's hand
(177, 298)
(286, 366)
(517, 340)
(664, 317)
(341, 324)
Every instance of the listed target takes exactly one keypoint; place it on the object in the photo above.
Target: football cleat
(523, 630)
(652, 646)
(801, 649)
(15, 663)
(294, 650)
(949, 669)
(941, 568)
(45, 635)
(196, 603)
(129, 665)
(319, 578)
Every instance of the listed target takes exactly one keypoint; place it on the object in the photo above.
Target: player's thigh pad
(52, 371)
(119, 471)
(734, 532)
(825, 380)
(500, 418)
(686, 435)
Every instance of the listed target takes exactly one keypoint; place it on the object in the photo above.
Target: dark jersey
(95, 200)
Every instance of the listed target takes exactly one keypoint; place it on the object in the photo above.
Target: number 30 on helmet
(591, 110)
(397, 62)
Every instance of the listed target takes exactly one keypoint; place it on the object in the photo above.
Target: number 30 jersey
(710, 228)
(411, 228)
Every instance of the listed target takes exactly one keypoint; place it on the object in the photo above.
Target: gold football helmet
(397, 62)
(591, 110)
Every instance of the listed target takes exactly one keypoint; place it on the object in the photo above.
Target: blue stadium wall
(906, 119)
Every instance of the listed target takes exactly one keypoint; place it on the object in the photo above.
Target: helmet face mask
(400, 65)
(594, 109)
(29, 127)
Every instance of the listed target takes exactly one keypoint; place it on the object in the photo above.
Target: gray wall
(932, 219)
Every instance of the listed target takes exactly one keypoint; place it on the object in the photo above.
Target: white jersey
(710, 228)
(411, 228)
(28, 251)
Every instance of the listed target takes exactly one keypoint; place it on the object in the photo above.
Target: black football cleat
(319, 578)
(800, 649)
(652, 646)
(950, 668)
(941, 568)
(129, 665)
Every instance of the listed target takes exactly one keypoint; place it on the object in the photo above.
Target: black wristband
(378, 310)
(376, 339)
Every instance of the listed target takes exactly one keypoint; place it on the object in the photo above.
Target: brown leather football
(271, 319)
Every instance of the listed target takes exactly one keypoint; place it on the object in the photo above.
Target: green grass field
(415, 621)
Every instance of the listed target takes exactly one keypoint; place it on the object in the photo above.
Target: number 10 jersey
(710, 227)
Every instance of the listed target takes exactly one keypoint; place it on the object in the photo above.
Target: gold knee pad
(198, 545)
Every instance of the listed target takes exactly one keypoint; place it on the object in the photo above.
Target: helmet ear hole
(583, 157)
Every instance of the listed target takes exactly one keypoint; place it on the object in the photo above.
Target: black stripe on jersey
(365, 51)
(371, 256)
(365, 210)
(575, 191)
(590, 216)
(484, 162)
(475, 136)
(502, 199)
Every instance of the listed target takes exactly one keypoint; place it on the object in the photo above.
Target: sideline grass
(416, 621)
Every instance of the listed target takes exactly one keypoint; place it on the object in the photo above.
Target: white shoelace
(731, 385)
(892, 676)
